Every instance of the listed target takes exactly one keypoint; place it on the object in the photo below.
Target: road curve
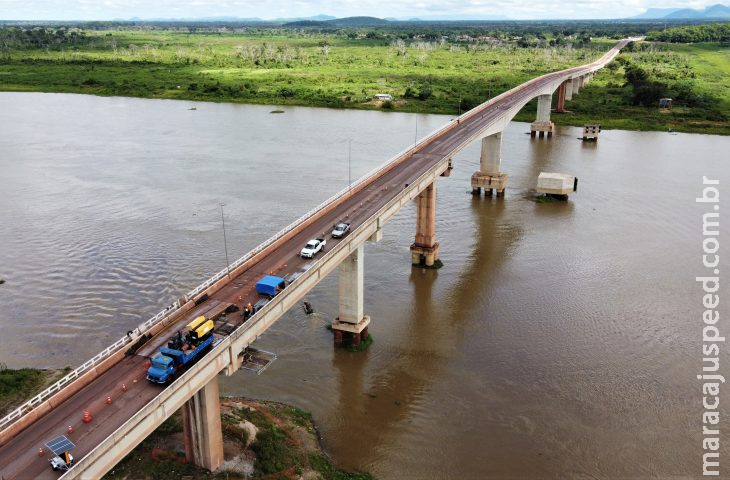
(20, 458)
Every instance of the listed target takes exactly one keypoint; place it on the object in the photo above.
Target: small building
(665, 103)
(558, 184)
(383, 97)
(591, 131)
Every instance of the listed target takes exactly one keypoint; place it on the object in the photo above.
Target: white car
(313, 247)
(340, 230)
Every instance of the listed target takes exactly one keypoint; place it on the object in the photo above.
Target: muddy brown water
(560, 340)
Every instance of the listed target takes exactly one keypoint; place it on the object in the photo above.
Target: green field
(299, 67)
(695, 76)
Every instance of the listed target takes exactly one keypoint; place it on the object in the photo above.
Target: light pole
(349, 165)
(415, 137)
(225, 242)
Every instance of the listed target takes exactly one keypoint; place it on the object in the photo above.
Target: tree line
(41, 38)
(714, 32)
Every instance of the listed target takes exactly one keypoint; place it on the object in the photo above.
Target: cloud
(109, 9)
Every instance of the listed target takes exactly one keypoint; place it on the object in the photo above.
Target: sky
(269, 9)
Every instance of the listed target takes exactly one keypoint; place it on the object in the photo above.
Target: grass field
(696, 76)
(17, 386)
(334, 71)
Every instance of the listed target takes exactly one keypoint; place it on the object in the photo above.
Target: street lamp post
(415, 136)
(225, 242)
(349, 165)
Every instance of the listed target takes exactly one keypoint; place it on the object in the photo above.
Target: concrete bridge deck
(118, 427)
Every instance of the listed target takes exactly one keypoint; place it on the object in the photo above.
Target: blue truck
(181, 350)
(270, 285)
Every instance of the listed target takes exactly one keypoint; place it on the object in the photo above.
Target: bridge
(124, 408)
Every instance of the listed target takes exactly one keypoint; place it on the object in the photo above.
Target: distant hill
(341, 22)
(358, 22)
(315, 18)
(713, 12)
(657, 13)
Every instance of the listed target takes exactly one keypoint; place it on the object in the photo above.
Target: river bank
(17, 386)
(261, 439)
(440, 77)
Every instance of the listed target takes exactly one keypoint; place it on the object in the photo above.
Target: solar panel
(59, 445)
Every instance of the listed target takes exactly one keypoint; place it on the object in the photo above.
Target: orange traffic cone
(109, 400)
(124, 387)
(70, 429)
(147, 364)
(40, 452)
(87, 417)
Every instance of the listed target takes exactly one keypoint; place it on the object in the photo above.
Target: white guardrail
(144, 327)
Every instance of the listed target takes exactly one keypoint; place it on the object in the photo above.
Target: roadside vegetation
(17, 386)
(426, 68)
(626, 94)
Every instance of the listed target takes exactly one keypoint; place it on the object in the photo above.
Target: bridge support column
(542, 125)
(577, 81)
(489, 177)
(568, 89)
(351, 326)
(201, 418)
(425, 249)
(561, 98)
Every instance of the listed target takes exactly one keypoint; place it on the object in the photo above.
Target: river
(559, 340)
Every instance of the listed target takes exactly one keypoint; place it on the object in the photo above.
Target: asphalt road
(19, 458)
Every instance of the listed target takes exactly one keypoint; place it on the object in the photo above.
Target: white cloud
(108, 9)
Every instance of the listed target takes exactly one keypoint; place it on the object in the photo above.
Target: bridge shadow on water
(376, 407)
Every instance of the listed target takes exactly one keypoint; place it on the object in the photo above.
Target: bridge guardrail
(144, 327)
(34, 402)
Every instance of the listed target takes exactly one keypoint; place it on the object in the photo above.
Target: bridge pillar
(351, 326)
(542, 125)
(425, 248)
(568, 89)
(561, 98)
(576, 85)
(201, 418)
(489, 177)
